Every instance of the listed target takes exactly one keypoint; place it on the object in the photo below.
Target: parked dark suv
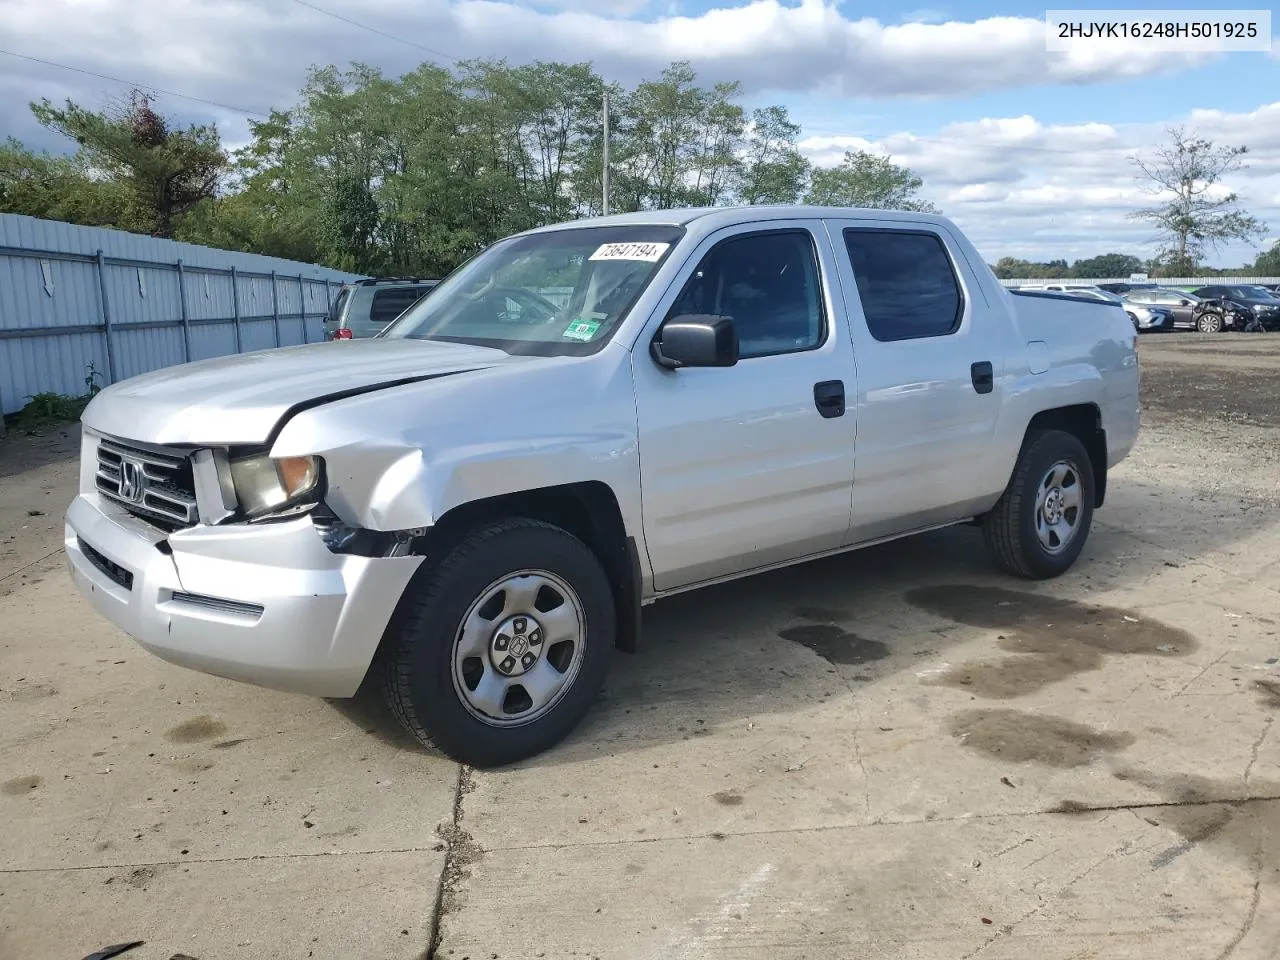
(1246, 301)
(363, 308)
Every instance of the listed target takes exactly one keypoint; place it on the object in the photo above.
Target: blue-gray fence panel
(78, 302)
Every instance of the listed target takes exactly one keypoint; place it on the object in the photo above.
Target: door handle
(984, 380)
(828, 397)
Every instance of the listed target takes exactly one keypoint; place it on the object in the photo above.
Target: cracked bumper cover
(267, 604)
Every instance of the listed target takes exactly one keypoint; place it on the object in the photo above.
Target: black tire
(1010, 529)
(418, 657)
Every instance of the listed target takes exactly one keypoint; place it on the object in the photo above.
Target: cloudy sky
(1027, 150)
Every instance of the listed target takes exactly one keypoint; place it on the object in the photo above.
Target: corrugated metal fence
(86, 302)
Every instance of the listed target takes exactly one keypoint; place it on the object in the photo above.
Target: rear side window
(906, 284)
(390, 303)
(335, 312)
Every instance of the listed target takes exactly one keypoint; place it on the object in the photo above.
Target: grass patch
(50, 409)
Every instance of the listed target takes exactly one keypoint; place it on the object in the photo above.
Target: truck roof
(712, 218)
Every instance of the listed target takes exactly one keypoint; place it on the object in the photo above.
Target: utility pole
(605, 177)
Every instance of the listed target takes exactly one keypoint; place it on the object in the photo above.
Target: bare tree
(1197, 217)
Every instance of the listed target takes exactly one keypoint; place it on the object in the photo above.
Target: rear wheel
(1040, 524)
(503, 646)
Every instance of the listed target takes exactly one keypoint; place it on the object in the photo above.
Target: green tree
(168, 172)
(60, 187)
(1193, 217)
(866, 180)
(677, 144)
(1011, 268)
(1268, 262)
(415, 173)
(1107, 265)
(772, 169)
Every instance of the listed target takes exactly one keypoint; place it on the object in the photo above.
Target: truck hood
(240, 399)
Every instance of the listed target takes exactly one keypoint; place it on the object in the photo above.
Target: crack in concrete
(1007, 929)
(1190, 683)
(880, 823)
(28, 566)
(460, 850)
(473, 849)
(1257, 745)
(1249, 918)
(190, 861)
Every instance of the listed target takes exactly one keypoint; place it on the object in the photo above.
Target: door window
(769, 284)
(906, 283)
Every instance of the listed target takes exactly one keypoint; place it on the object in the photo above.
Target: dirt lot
(897, 753)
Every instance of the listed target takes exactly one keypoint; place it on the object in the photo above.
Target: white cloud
(1021, 185)
(254, 53)
(1040, 191)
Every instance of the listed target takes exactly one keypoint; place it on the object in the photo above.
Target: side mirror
(696, 340)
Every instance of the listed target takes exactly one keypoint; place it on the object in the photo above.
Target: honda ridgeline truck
(473, 506)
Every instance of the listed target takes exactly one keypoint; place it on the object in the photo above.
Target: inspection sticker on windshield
(646, 252)
(581, 330)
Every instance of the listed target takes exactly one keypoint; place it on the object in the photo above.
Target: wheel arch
(1084, 422)
(589, 510)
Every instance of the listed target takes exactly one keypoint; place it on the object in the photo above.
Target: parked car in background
(1245, 301)
(1188, 309)
(365, 307)
(1066, 286)
(1127, 287)
(1146, 318)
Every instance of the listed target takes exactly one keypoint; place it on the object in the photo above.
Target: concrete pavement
(897, 753)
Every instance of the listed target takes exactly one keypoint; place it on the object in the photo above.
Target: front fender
(400, 459)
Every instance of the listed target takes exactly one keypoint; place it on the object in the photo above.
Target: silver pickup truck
(472, 507)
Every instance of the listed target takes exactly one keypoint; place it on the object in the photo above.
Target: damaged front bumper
(268, 604)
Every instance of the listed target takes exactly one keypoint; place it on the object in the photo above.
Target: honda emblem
(130, 480)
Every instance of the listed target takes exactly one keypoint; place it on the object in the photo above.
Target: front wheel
(1209, 323)
(1039, 526)
(502, 647)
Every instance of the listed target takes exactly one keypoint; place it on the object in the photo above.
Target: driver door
(747, 466)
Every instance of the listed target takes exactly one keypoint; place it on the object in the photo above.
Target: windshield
(1250, 293)
(560, 293)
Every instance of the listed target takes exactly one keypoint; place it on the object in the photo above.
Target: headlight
(265, 485)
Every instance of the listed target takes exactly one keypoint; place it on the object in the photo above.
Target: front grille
(154, 483)
(110, 568)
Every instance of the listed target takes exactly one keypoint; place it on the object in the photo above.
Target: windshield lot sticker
(646, 252)
(581, 330)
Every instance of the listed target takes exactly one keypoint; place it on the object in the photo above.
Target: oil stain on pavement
(1049, 639)
(196, 730)
(1017, 737)
(834, 644)
(19, 786)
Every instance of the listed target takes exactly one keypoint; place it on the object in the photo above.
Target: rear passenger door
(930, 358)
